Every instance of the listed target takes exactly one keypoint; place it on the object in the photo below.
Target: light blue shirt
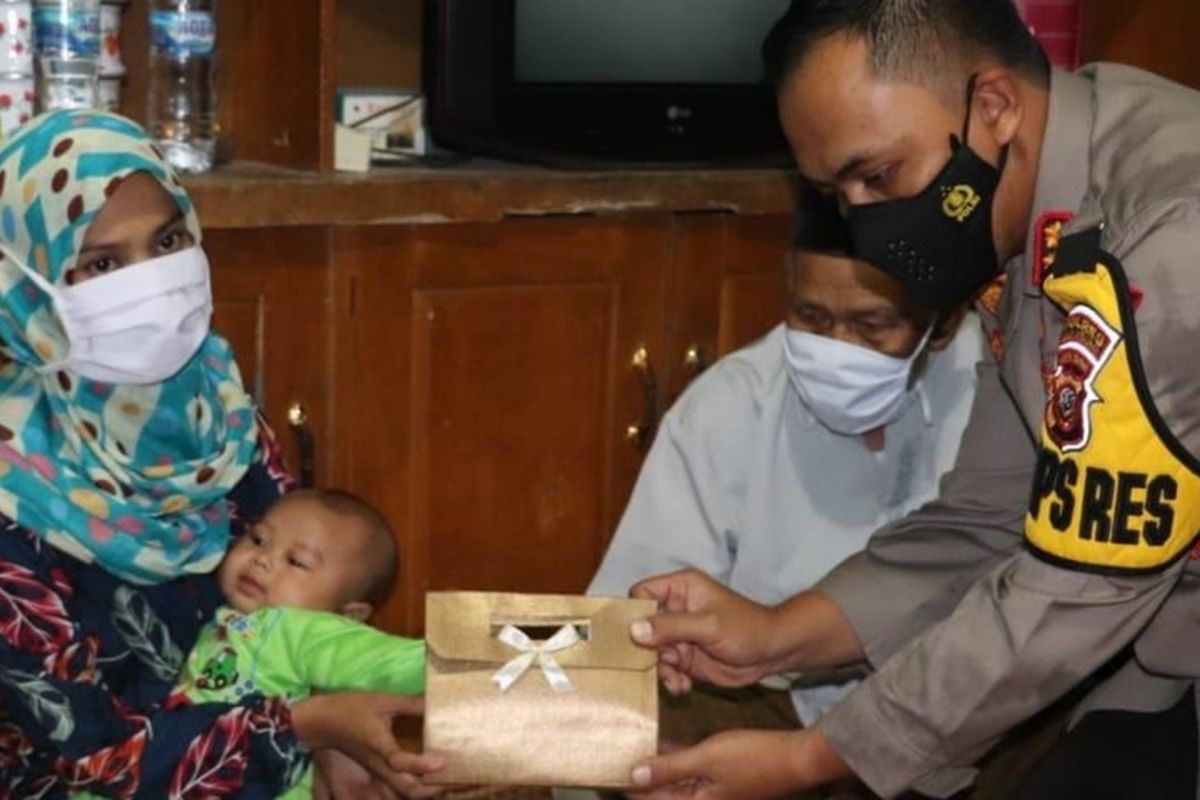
(744, 483)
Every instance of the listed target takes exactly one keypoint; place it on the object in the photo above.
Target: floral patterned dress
(87, 661)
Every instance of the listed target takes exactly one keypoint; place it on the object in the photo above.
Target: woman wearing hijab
(129, 454)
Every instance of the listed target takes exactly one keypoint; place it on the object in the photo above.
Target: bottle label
(57, 31)
(183, 33)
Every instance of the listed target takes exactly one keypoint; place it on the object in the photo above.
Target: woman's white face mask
(850, 389)
(138, 325)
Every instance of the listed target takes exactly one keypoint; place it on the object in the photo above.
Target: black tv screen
(613, 80)
(641, 41)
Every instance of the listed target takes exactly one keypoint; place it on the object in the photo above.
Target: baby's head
(317, 549)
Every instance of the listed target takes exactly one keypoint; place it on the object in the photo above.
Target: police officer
(1061, 546)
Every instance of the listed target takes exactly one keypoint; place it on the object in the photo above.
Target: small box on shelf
(395, 118)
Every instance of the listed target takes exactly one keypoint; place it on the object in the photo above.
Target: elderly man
(783, 458)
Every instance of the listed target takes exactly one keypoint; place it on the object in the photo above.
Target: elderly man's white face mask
(850, 389)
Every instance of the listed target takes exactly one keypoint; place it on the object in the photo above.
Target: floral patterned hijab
(131, 476)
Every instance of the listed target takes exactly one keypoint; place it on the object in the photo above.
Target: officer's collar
(1064, 168)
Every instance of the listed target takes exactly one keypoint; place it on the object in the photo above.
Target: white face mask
(140, 324)
(850, 389)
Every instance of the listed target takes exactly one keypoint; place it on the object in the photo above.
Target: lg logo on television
(677, 117)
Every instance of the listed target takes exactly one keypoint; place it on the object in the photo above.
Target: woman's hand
(705, 631)
(359, 724)
(339, 777)
(741, 765)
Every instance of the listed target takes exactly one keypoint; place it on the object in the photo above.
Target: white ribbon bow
(531, 651)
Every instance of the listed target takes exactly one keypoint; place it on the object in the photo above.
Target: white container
(108, 93)
(111, 62)
(66, 35)
(16, 102)
(16, 38)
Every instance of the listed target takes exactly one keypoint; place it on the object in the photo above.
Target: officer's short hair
(929, 42)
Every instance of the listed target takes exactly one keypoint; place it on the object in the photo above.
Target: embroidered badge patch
(996, 345)
(1045, 247)
(1086, 345)
(987, 305)
(989, 298)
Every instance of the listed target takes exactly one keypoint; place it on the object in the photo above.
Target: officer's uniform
(1012, 596)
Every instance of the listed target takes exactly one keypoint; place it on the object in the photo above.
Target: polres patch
(1114, 490)
(1084, 349)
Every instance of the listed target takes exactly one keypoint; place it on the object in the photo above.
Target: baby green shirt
(291, 652)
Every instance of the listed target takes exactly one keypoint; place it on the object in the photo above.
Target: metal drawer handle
(694, 361)
(297, 418)
(640, 433)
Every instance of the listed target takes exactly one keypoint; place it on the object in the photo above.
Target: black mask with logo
(938, 243)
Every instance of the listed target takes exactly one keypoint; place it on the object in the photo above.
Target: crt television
(603, 80)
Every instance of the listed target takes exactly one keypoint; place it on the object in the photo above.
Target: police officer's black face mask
(939, 243)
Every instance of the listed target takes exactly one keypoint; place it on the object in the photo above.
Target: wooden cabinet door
(1158, 35)
(271, 294)
(727, 288)
(486, 392)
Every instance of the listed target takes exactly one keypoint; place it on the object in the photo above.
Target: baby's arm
(331, 653)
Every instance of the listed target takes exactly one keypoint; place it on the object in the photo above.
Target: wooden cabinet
(491, 383)
(487, 390)
(271, 289)
(726, 288)
(478, 382)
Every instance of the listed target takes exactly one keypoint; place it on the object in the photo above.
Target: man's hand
(706, 632)
(741, 765)
(359, 724)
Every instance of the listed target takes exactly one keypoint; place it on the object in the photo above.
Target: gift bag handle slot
(541, 630)
(463, 626)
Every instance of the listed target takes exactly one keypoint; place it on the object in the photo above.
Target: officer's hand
(704, 631)
(740, 765)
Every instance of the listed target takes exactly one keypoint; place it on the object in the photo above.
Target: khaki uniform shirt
(990, 633)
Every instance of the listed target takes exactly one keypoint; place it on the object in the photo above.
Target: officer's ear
(946, 327)
(997, 103)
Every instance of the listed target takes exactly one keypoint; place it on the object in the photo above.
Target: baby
(299, 586)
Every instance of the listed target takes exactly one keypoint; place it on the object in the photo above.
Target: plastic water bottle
(66, 45)
(182, 110)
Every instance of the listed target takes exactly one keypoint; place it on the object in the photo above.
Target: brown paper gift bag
(581, 713)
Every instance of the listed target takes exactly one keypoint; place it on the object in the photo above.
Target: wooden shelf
(252, 195)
